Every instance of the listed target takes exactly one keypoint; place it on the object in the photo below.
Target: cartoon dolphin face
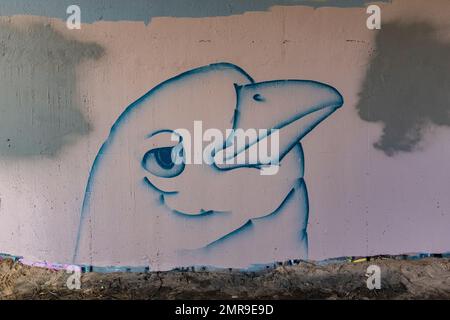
(143, 208)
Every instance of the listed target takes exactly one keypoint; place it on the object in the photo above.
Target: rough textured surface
(63, 89)
(401, 279)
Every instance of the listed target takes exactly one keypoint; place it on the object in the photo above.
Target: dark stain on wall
(407, 85)
(40, 111)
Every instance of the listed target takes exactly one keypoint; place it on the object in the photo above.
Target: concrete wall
(80, 121)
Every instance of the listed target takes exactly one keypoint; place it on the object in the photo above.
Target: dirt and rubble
(427, 278)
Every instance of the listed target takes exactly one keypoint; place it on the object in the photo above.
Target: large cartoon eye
(161, 163)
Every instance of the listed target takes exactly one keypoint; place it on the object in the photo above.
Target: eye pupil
(164, 158)
(159, 162)
(258, 97)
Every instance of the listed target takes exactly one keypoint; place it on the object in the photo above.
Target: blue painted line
(122, 119)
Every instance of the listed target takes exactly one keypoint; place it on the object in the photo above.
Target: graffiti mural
(214, 166)
(169, 214)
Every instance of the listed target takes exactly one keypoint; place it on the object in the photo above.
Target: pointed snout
(276, 104)
(293, 107)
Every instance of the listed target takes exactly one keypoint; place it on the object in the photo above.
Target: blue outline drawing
(308, 103)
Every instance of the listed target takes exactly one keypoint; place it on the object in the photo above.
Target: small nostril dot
(258, 97)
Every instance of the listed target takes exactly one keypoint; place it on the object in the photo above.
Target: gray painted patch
(39, 112)
(145, 10)
(407, 86)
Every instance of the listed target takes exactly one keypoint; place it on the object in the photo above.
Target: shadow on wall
(407, 86)
(39, 112)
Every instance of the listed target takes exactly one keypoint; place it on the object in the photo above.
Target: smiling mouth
(201, 213)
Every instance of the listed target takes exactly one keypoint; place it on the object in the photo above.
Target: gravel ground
(401, 279)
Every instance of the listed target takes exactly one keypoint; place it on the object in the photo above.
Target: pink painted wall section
(376, 170)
